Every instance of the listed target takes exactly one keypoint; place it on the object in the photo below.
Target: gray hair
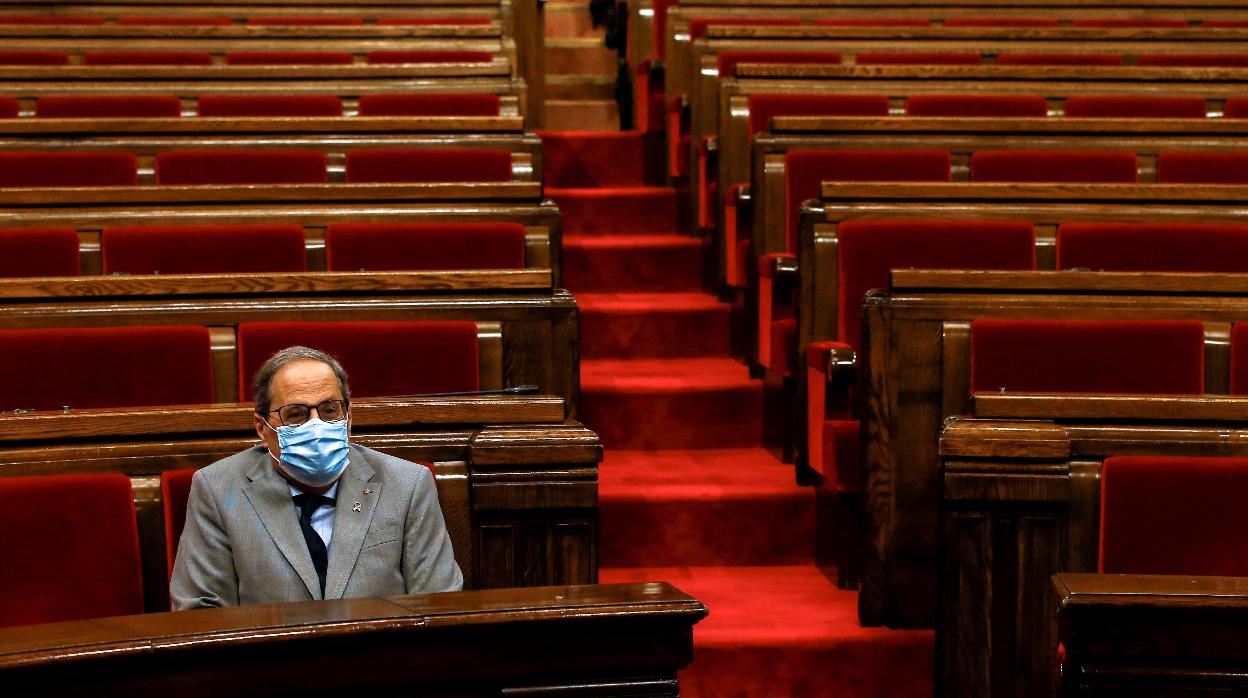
(264, 377)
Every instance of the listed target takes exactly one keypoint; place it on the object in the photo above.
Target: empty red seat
(31, 252)
(51, 20)
(1191, 247)
(1093, 166)
(429, 165)
(1235, 108)
(1131, 23)
(147, 58)
(1239, 358)
(431, 21)
(257, 166)
(430, 104)
(46, 168)
(729, 60)
(9, 108)
(423, 246)
(270, 105)
(109, 106)
(699, 25)
(1002, 22)
(382, 358)
(1179, 515)
(918, 58)
(289, 58)
(873, 22)
(309, 21)
(175, 490)
(977, 105)
(447, 56)
(1040, 58)
(1202, 167)
(34, 58)
(203, 249)
(71, 548)
(1195, 60)
(1135, 106)
(86, 367)
(172, 21)
(1088, 356)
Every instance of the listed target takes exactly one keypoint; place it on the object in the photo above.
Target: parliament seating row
(154, 20)
(308, 54)
(59, 106)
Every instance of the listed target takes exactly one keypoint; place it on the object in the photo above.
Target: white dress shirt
(323, 516)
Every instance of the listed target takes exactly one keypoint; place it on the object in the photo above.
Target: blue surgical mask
(315, 452)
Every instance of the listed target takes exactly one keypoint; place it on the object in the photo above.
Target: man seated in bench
(305, 514)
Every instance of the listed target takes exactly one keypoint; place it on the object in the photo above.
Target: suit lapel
(350, 525)
(270, 497)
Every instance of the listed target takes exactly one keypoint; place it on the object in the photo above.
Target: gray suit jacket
(242, 543)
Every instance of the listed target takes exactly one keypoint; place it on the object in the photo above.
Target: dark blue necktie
(309, 503)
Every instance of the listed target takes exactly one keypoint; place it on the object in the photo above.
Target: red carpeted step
(788, 631)
(621, 263)
(628, 210)
(653, 325)
(671, 403)
(592, 158)
(707, 507)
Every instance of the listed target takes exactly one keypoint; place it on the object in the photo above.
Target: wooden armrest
(709, 145)
(779, 266)
(1205, 408)
(837, 361)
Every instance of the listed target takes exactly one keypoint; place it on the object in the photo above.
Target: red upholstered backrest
(1225, 23)
(289, 58)
(1088, 356)
(805, 170)
(918, 58)
(40, 168)
(384, 57)
(873, 22)
(1211, 60)
(868, 249)
(381, 358)
(1202, 167)
(270, 105)
(203, 249)
(431, 21)
(71, 548)
(175, 490)
(312, 21)
(50, 19)
(34, 58)
(423, 246)
(9, 108)
(1100, 166)
(1135, 106)
(1174, 515)
(430, 104)
(30, 252)
(729, 60)
(257, 166)
(429, 165)
(1002, 22)
(103, 106)
(765, 106)
(699, 25)
(1192, 247)
(172, 21)
(1239, 358)
(977, 105)
(1136, 23)
(147, 58)
(1008, 58)
(1235, 108)
(84, 367)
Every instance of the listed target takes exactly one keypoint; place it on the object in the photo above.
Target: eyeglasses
(294, 414)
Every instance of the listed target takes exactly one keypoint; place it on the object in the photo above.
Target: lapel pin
(368, 490)
(357, 507)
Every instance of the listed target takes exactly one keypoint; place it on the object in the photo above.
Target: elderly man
(305, 514)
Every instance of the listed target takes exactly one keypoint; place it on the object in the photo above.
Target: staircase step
(788, 631)
(592, 159)
(634, 210)
(671, 403)
(622, 263)
(654, 325)
(580, 87)
(569, 19)
(586, 114)
(580, 56)
(709, 507)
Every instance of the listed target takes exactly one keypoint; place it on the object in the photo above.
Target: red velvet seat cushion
(1235, 108)
(1039, 58)
(31, 252)
(429, 165)
(172, 21)
(1135, 106)
(430, 104)
(699, 25)
(1239, 358)
(1135, 23)
(918, 58)
(109, 106)
(385, 57)
(203, 249)
(423, 246)
(1100, 166)
(147, 58)
(977, 105)
(34, 58)
(1174, 515)
(289, 58)
(763, 107)
(1191, 247)
(1088, 356)
(51, 20)
(71, 548)
(1196, 60)
(41, 168)
(175, 490)
(869, 249)
(1002, 22)
(1202, 167)
(381, 358)
(873, 22)
(85, 367)
(270, 105)
(313, 21)
(729, 60)
(431, 21)
(241, 167)
(9, 108)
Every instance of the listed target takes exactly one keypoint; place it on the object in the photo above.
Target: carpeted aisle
(687, 493)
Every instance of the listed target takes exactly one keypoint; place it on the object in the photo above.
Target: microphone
(514, 390)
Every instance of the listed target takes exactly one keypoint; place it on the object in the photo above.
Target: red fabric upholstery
(270, 105)
(255, 166)
(658, 27)
(431, 21)
(1211, 60)
(105, 106)
(85, 367)
(289, 58)
(1192, 247)
(1142, 23)
(71, 548)
(729, 60)
(204, 249)
(1133, 106)
(976, 105)
(1174, 515)
(34, 58)
(147, 58)
(1235, 108)
(765, 106)
(698, 25)
(50, 19)
(305, 21)
(1239, 358)
(1202, 167)
(918, 58)
(175, 490)
(41, 168)
(1099, 166)
(9, 108)
(1002, 22)
(384, 57)
(1088, 356)
(1007, 58)
(429, 165)
(382, 358)
(430, 104)
(172, 21)
(30, 252)
(424, 246)
(873, 22)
